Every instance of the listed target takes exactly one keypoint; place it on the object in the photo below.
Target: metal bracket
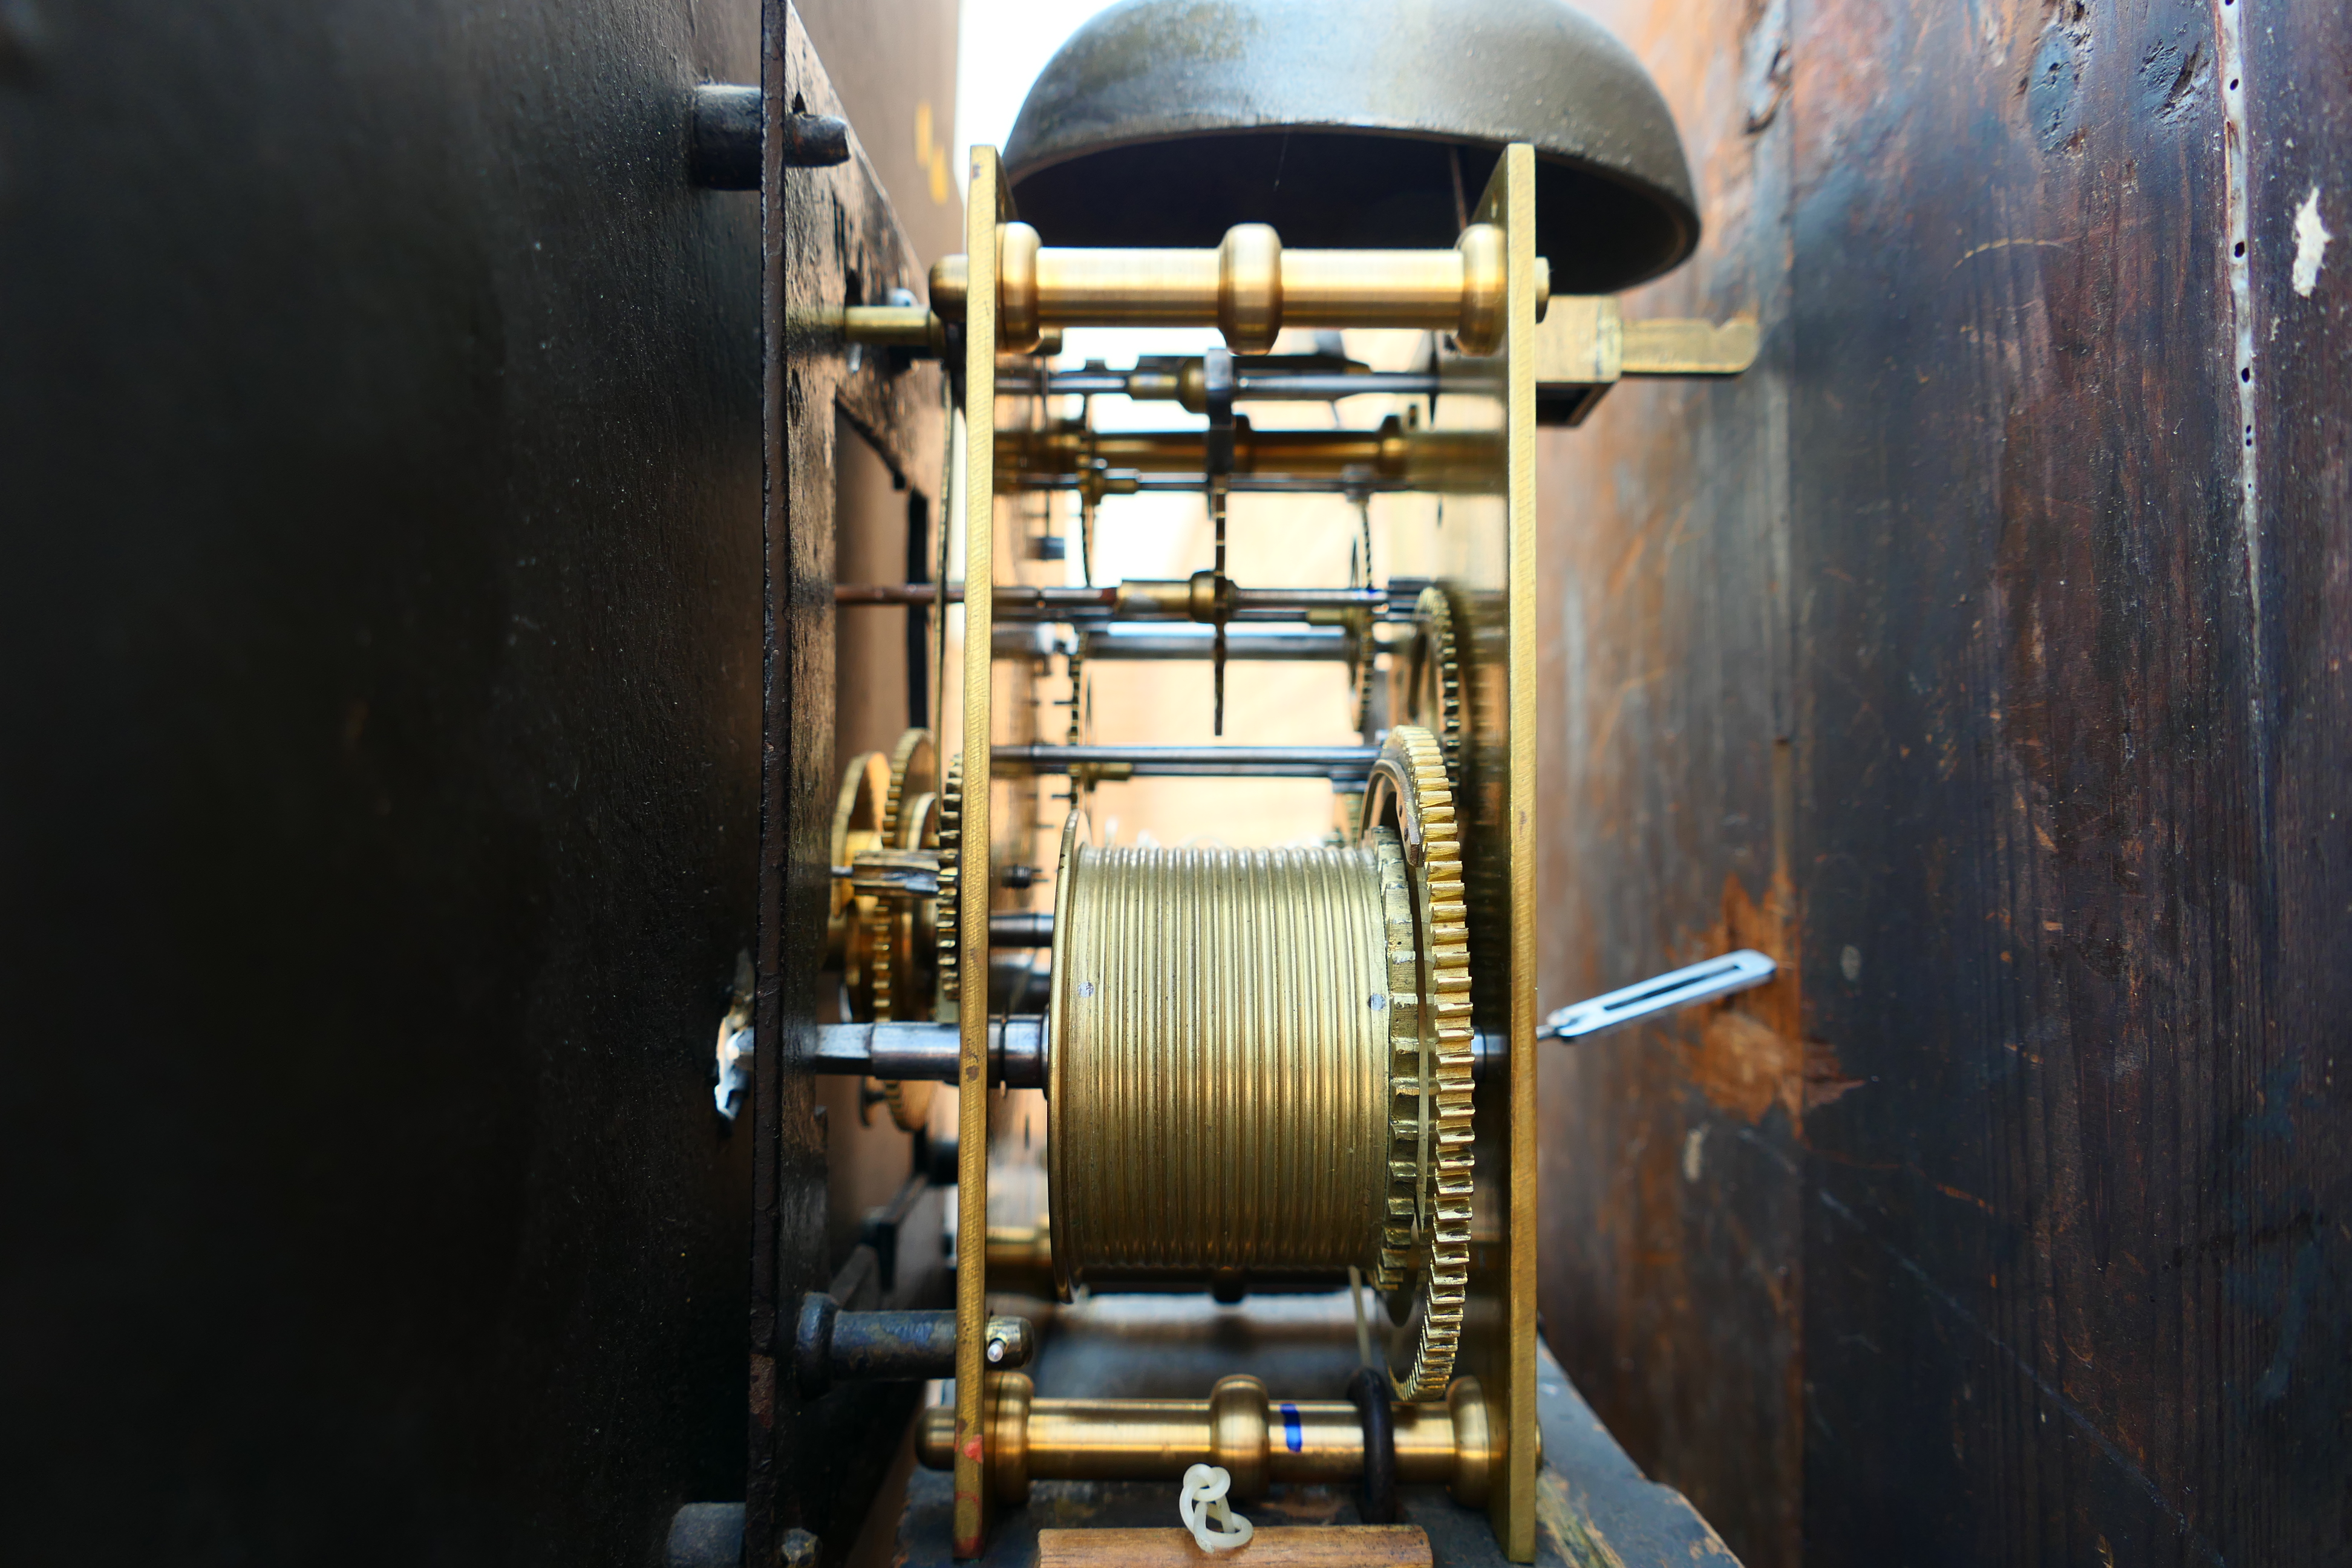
(1584, 346)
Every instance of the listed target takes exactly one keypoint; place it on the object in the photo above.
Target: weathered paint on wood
(2013, 1227)
(1670, 1204)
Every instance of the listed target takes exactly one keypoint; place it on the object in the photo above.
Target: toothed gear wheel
(895, 919)
(1433, 699)
(950, 922)
(856, 828)
(1425, 1247)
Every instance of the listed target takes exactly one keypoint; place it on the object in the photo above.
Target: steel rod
(1261, 646)
(1705, 982)
(1240, 484)
(927, 1052)
(1019, 603)
(1196, 761)
(1265, 385)
(1021, 928)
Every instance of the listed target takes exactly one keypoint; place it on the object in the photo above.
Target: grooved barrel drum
(1259, 1062)
(1221, 1059)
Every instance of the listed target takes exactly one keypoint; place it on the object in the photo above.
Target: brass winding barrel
(1221, 1060)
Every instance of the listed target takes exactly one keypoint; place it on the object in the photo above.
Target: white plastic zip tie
(1206, 1513)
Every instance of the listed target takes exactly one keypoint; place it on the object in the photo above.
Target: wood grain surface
(1980, 654)
(382, 520)
(1283, 1546)
(830, 234)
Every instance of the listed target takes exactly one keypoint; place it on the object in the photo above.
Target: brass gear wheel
(1425, 1245)
(909, 821)
(1359, 679)
(1433, 693)
(948, 925)
(858, 814)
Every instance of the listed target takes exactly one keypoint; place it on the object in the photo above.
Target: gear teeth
(1428, 1213)
(886, 910)
(1440, 665)
(909, 1103)
(950, 925)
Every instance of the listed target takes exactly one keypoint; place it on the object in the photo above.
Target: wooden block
(1285, 1546)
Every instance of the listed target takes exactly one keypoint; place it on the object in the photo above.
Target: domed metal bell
(1164, 122)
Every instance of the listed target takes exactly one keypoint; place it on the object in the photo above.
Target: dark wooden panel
(2067, 870)
(2062, 1260)
(830, 239)
(378, 777)
(2284, 1255)
(1671, 1228)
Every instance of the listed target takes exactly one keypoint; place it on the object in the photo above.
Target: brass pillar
(1250, 288)
(1261, 1441)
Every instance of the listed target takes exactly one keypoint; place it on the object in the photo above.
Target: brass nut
(1237, 1436)
(1473, 1438)
(1210, 597)
(1249, 287)
(1485, 290)
(1395, 449)
(951, 281)
(1010, 1343)
(1009, 1396)
(1018, 324)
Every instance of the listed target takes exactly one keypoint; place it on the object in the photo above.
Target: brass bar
(1585, 340)
(1020, 1258)
(895, 326)
(1385, 458)
(1667, 346)
(1375, 287)
(1129, 483)
(1014, 601)
(1302, 386)
(1101, 288)
(1197, 761)
(1136, 599)
(923, 335)
(1064, 449)
(1328, 647)
(970, 1512)
(1239, 1426)
(1249, 287)
(1512, 1503)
